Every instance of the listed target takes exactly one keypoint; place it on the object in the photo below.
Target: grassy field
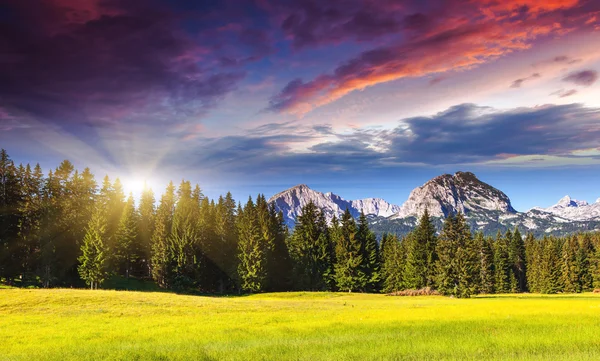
(117, 325)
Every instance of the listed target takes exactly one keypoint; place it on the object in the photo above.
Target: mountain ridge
(486, 208)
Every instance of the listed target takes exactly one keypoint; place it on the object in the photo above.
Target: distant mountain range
(486, 208)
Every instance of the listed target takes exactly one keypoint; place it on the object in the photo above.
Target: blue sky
(362, 98)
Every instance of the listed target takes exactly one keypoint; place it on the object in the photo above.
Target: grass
(63, 324)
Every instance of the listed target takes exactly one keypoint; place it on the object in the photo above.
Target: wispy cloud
(582, 78)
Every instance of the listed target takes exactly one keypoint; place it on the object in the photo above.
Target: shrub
(427, 291)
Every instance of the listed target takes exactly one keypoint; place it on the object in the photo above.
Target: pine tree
(184, 241)
(9, 200)
(280, 262)
(457, 258)
(502, 263)
(486, 264)
(533, 254)
(146, 224)
(348, 271)
(226, 259)
(93, 259)
(415, 268)
(393, 263)
(370, 254)
(569, 272)
(210, 273)
(550, 272)
(127, 249)
(49, 229)
(467, 261)
(252, 268)
(162, 258)
(584, 267)
(446, 277)
(425, 233)
(309, 250)
(519, 265)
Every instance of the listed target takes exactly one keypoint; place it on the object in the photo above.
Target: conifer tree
(415, 268)
(93, 259)
(184, 240)
(370, 254)
(252, 267)
(502, 263)
(595, 265)
(550, 270)
(146, 224)
(457, 258)
(517, 256)
(467, 261)
(226, 259)
(280, 262)
(393, 263)
(127, 249)
(486, 263)
(49, 228)
(162, 257)
(584, 267)
(534, 258)
(425, 233)
(309, 250)
(210, 274)
(569, 272)
(446, 277)
(349, 274)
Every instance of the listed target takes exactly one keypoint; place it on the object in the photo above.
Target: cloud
(560, 59)
(562, 93)
(517, 83)
(104, 62)
(465, 134)
(451, 36)
(582, 78)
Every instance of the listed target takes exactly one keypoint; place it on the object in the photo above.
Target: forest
(63, 229)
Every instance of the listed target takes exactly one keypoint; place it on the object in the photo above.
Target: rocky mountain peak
(449, 194)
(292, 200)
(567, 201)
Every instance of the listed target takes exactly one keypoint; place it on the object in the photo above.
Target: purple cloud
(517, 83)
(102, 62)
(583, 78)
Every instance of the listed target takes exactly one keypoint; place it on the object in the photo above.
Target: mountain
(291, 201)
(574, 210)
(486, 208)
(451, 194)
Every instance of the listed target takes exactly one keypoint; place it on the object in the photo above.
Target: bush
(427, 291)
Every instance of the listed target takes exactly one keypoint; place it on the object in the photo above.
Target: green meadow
(62, 324)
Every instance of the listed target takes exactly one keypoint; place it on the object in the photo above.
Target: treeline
(459, 263)
(65, 230)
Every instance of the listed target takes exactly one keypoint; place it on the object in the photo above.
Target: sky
(362, 98)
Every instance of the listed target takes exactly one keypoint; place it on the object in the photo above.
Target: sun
(135, 184)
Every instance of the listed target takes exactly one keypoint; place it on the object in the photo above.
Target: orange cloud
(456, 44)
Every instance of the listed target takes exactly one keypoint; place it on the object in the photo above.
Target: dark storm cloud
(583, 78)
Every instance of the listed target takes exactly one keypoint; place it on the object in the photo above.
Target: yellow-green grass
(65, 324)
